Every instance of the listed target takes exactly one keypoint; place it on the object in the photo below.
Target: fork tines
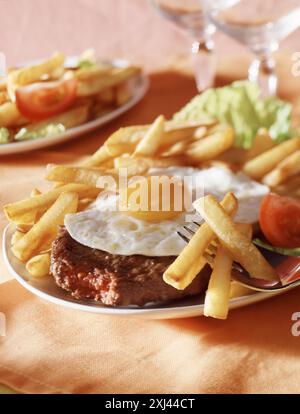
(187, 231)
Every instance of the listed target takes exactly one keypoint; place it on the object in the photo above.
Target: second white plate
(139, 86)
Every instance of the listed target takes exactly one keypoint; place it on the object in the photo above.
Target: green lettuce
(49, 130)
(241, 106)
(295, 251)
(4, 135)
(86, 64)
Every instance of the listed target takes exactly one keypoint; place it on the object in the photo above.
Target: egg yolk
(153, 198)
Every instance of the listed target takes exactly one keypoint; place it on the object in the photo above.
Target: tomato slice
(45, 99)
(280, 220)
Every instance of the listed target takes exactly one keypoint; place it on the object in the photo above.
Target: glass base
(205, 64)
(262, 72)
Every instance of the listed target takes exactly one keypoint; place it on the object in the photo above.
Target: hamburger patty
(113, 279)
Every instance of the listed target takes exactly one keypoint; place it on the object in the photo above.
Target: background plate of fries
(129, 85)
(46, 289)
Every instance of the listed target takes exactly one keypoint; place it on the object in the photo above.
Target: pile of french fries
(100, 89)
(38, 217)
(218, 242)
(277, 166)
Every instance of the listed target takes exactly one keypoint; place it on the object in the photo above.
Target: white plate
(139, 86)
(47, 289)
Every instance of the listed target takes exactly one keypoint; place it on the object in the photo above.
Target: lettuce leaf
(241, 106)
(282, 250)
(47, 131)
(4, 135)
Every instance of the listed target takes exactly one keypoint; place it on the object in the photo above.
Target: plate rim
(172, 312)
(75, 132)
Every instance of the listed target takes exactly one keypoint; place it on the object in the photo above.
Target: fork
(288, 271)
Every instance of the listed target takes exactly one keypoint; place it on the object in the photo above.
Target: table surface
(131, 30)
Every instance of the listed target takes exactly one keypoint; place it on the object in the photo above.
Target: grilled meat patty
(113, 279)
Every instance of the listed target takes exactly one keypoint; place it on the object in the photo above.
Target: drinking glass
(260, 25)
(190, 16)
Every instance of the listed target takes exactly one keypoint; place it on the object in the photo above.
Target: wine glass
(260, 25)
(190, 15)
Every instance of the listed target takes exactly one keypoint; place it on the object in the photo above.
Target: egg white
(117, 233)
(104, 228)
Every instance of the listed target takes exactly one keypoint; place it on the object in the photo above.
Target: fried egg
(120, 234)
(106, 228)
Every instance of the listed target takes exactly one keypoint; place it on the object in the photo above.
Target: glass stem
(262, 71)
(204, 63)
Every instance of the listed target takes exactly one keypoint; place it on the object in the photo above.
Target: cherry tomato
(45, 99)
(280, 220)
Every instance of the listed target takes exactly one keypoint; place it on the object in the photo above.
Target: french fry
(217, 296)
(122, 141)
(262, 142)
(205, 121)
(188, 264)
(80, 175)
(150, 143)
(98, 84)
(246, 229)
(3, 84)
(24, 228)
(31, 74)
(108, 95)
(45, 230)
(39, 265)
(176, 149)
(287, 168)
(200, 133)
(264, 163)
(91, 176)
(16, 212)
(123, 94)
(134, 166)
(35, 192)
(34, 73)
(289, 187)
(109, 164)
(90, 73)
(125, 140)
(16, 236)
(69, 119)
(241, 249)
(211, 146)
(188, 131)
(237, 290)
(98, 158)
(165, 162)
(3, 97)
(123, 161)
(25, 221)
(10, 115)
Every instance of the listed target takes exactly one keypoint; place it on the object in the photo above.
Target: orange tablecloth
(55, 350)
